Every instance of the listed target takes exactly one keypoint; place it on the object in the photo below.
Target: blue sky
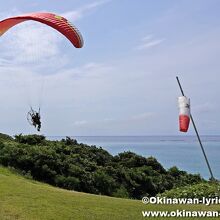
(122, 82)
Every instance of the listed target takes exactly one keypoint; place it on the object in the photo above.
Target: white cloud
(80, 123)
(82, 11)
(143, 116)
(204, 108)
(4, 62)
(31, 45)
(87, 72)
(129, 121)
(30, 42)
(7, 14)
(148, 42)
(147, 38)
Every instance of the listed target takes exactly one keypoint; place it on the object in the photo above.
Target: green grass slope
(21, 198)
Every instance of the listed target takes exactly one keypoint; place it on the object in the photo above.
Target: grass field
(21, 198)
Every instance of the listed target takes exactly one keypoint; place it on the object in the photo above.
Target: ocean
(181, 151)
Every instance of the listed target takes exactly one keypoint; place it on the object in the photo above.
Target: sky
(122, 82)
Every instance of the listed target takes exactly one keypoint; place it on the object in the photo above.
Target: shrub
(69, 141)
(5, 137)
(200, 190)
(33, 139)
(121, 192)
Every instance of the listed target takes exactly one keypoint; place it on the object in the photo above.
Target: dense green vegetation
(208, 190)
(84, 168)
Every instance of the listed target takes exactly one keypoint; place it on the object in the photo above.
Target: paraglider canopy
(57, 22)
